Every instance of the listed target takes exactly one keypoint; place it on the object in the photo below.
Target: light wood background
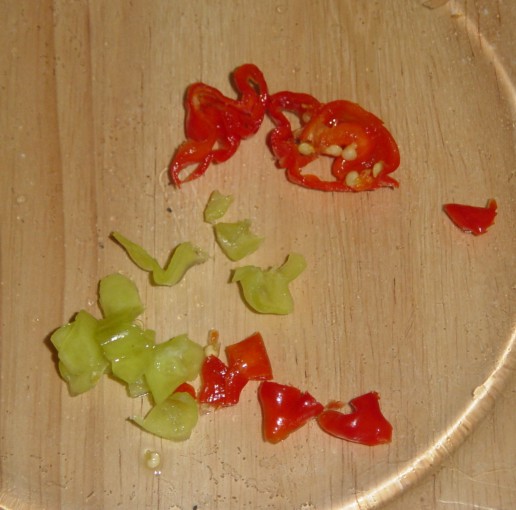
(395, 299)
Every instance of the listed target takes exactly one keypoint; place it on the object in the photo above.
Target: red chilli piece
(471, 219)
(250, 358)
(221, 386)
(364, 425)
(285, 409)
(186, 388)
(362, 150)
(215, 124)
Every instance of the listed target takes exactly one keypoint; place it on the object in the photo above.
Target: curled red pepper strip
(364, 152)
(365, 424)
(215, 124)
(471, 219)
(282, 139)
(285, 409)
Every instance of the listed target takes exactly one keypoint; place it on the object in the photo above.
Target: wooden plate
(395, 298)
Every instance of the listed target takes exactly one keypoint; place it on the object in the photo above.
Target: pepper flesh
(471, 219)
(250, 358)
(173, 419)
(81, 361)
(285, 409)
(266, 290)
(217, 206)
(216, 124)
(221, 385)
(327, 130)
(184, 256)
(365, 424)
(236, 239)
(173, 363)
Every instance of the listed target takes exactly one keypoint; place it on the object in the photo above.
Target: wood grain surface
(394, 299)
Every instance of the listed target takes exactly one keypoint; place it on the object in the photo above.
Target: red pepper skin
(474, 220)
(365, 424)
(185, 388)
(250, 358)
(335, 124)
(215, 124)
(221, 386)
(285, 409)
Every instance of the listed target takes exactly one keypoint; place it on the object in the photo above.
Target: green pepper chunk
(138, 388)
(127, 346)
(174, 362)
(173, 419)
(266, 290)
(236, 239)
(81, 362)
(185, 256)
(217, 206)
(118, 294)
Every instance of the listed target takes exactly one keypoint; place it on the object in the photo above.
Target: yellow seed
(306, 149)
(351, 179)
(333, 150)
(350, 152)
(306, 117)
(377, 168)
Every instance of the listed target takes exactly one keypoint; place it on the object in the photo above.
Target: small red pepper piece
(365, 424)
(185, 388)
(471, 219)
(364, 152)
(215, 124)
(221, 386)
(285, 409)
(250, 358)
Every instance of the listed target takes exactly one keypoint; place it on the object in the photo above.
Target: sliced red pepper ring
(364, 152)
(365, 424)
(221, 386)
(250, 358)
(471, 219)
(285, 409)
(215, 124)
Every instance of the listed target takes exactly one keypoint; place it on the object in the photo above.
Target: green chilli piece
(185, 256)
(217, 206)
(174, 362)
(119, 295)
(138, 388)
(173, 419)
(81, 361)
(127, 346)
(236, 239)
(266, 290)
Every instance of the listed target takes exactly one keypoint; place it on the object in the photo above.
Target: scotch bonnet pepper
(216, 124)
(364, 152)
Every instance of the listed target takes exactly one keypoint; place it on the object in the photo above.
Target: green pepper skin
(81, 361)
(173, 419)
(266, 290)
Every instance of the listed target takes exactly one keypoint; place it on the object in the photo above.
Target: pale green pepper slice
(185, 256)
(217, 206)
(266, 290)
(173, 419)
(174, 362)
(127, 346)
(81, 361)
(236, 239)
(117, 295)
(138, 388)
